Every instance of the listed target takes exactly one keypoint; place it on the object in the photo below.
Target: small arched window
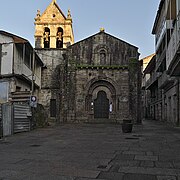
(102, 57)
(59, 38)
(46, 37)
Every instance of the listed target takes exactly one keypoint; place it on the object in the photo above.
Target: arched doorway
(101, 105)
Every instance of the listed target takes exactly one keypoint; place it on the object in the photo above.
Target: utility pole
(1, 122)
(0, 56)
(32, 89)
(32, 82)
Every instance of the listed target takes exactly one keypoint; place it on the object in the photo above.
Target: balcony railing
(166, 24)
(173, 45)
(165, 80)
(159, 59)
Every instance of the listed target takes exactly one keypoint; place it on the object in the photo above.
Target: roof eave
(16, 38)
(157, 16)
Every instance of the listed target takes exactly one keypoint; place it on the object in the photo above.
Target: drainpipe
(178, 102)
(23, 58)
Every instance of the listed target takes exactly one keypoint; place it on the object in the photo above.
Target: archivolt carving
(95, 82)
(99, 85)
(102, 47)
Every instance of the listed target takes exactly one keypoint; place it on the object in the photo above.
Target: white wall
(7, 55)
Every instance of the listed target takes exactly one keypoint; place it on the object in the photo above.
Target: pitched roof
(107, 35)
(54, 3)
(151, 65)
(158, 16)
(17, 39)
(20, 40)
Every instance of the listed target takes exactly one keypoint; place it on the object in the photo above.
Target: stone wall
(52, 80)
(170, 104)
(118, 78)
(118, 70)
(135, 77)
(53, 18)
(73, 78)
(117, 51)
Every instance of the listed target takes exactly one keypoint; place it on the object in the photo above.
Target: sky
(128, 20)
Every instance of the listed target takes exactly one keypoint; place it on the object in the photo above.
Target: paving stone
(123, 163)
(149, 153)
(88, 179)
(119, 151)
(114, 168)
(166, 178)
(123, 148)
(103, 167)
(49, 177)
(177, 165)
(139, 177)
(146, 158)
(147, 164)
(7, 174)
(110, 176)
(61, 170)
(169, 157)
(102, 155)
(162, 164)
(133, 148)
(134, 152)
(78, 173)
(151, 171)
(76, 151)
(124, 157)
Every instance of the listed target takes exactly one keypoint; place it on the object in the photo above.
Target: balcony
(160, 59)
(167, 24)
(165, 80)
(153, 79)
(173, 46)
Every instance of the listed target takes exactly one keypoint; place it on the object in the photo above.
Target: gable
(106, 37)
(105, 49)
(53, 14)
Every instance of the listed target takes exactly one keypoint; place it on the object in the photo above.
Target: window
(47, 38)
(102, 55)
(18, 89)
(59, 38)
(53, 107)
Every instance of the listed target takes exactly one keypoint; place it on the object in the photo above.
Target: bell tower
(52, 28)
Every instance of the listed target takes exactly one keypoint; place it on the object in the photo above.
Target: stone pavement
(92, 151)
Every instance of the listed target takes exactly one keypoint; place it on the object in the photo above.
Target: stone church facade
(95, 80)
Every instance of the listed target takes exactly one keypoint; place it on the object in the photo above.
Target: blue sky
(129, 20)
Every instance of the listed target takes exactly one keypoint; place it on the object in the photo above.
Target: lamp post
(32, 102)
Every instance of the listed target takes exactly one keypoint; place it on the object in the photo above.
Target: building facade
(20, 77)
(53, 28)
(20, 67)
(164, 70)
(146, 93)
(95, 80)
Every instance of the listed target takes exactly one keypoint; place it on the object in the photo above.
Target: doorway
(101, 105)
